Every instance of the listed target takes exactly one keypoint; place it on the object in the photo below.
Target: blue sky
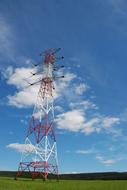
(91, 102)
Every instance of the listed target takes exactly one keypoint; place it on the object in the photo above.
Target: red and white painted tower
(40, 154)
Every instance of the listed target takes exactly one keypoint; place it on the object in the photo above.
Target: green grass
(27, 184)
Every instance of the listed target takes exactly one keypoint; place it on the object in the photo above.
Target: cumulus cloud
(99, 124)
(25, 97)
(76, 120)
(18, 77)
(63, 86)
(71, 120)
(29, 148)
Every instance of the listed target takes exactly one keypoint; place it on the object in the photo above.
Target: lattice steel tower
(40, 154)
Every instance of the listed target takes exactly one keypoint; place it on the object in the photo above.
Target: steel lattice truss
(40, 155)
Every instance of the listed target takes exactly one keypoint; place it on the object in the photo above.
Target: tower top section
(48, 67)
(50, 56)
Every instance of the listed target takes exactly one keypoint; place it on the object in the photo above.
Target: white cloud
(17, 77)
(26, 97)
(89, 151)
(63, 86)
(90, 126)
(69, 77)
(107, 162)
(99, 123)
(71, 172)
(74, 172)
(76, 120)
(85, 104)
(88, 104)
(71, 120)
(8, 72)
(110, 121)
(81, 88)
(23, 147)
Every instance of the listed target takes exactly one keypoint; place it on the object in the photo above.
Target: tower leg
(45, 171)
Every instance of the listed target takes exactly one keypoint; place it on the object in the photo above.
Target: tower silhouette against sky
(40, 154)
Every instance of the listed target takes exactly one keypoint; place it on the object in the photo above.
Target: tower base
(38, 169)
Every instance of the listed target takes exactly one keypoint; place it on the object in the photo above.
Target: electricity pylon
(40, 154)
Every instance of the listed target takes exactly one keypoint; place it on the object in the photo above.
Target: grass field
(27, 184)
